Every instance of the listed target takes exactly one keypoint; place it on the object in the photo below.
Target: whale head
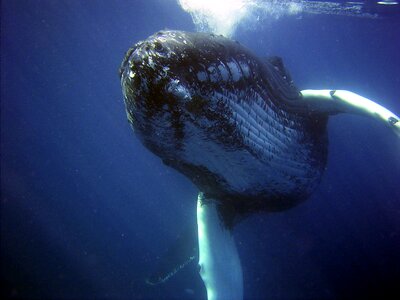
(165, 79)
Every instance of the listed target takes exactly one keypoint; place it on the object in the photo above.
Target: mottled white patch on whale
(224, 72)
(178, 89)
(245, 68)
(202, 76)
(235, 71)
(214, 74)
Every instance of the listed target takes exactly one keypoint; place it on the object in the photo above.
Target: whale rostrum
(237, 127)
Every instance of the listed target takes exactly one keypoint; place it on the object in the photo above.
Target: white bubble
(223, 16)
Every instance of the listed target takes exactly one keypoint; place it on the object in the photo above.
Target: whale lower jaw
(219, 261)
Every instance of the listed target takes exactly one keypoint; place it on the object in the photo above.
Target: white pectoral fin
(219, 261)
(337, 101)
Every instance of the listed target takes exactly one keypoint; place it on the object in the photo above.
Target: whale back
(220, 115)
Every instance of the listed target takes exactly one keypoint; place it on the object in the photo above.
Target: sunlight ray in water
(223, 17)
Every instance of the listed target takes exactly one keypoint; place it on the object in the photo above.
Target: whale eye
(158, 47)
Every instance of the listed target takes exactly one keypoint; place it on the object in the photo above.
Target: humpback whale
(237, 127)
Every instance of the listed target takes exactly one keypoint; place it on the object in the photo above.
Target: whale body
(238, 128)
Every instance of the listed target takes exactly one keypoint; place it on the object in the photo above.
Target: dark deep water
(86, 209)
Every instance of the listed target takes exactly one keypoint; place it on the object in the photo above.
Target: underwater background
(87, 211)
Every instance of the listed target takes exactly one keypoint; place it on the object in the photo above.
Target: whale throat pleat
(271, 133)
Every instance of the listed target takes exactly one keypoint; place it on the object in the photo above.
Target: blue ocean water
(86, 210)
